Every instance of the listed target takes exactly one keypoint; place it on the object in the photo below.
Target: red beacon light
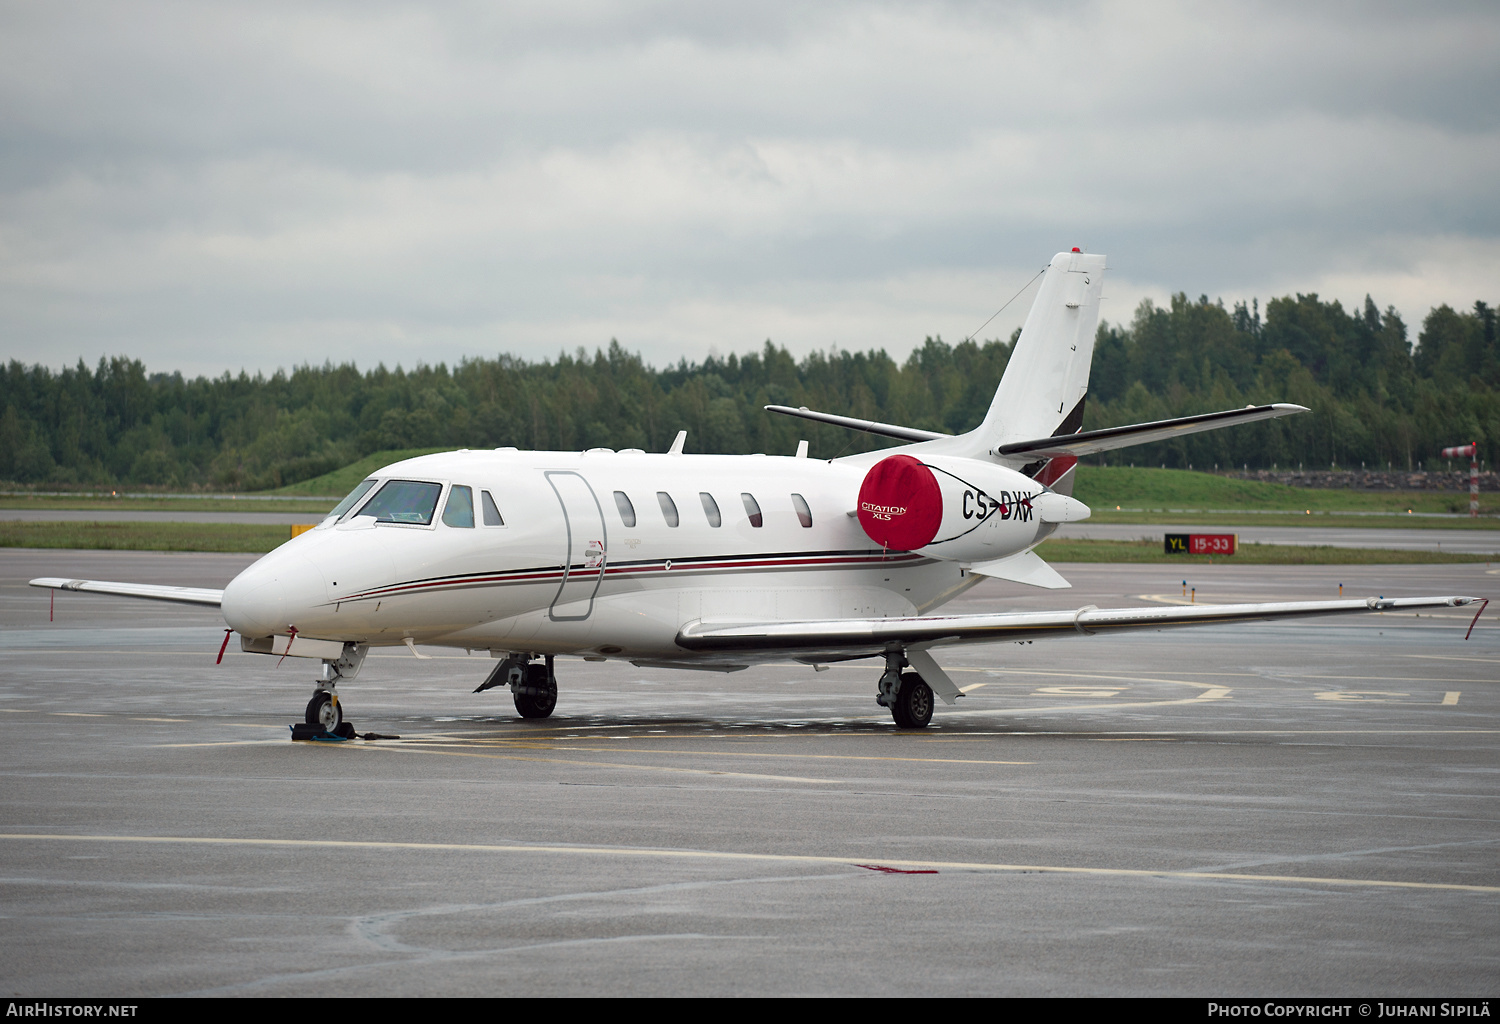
(1076, 249)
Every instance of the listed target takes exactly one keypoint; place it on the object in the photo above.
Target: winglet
(681, 440)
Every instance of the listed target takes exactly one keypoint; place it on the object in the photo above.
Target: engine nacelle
(961, 510)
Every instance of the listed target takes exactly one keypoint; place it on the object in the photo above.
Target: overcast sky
(260, 185)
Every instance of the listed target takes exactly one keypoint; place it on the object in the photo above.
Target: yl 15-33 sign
(1202, 543)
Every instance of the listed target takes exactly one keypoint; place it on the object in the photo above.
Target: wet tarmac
(1299, 808)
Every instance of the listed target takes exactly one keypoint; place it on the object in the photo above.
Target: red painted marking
(1482, 607)
(897, 871)
(224, 646)
(1055, 469)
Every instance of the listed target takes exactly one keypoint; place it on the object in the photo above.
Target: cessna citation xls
(715, 562)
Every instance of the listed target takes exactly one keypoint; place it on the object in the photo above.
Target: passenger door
(585, 553)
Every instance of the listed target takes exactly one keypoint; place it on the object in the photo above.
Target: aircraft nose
(272, 594)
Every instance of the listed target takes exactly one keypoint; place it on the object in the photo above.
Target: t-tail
(1034, 422)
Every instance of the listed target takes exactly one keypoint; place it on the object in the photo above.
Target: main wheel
(539, 693)
(324, 710)
(913, 707)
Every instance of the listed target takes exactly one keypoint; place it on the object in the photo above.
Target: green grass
(341, 481)
(1225, 520)
(1104, 487)
(127, 536)
(1150, 551)
(317, 507)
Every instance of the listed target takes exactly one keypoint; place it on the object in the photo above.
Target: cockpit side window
(404, 501)
(460, 508)
(491, 511)
(353, 499)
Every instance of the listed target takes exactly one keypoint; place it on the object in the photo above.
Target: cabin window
(804, 514)
(404, 501)
(460, 508)
(353, 499)
(627, 510)
(711, 509)
(752, 509)
(491, 510)
(668, 507)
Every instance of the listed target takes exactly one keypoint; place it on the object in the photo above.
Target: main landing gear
(905, 693)
(533, 687)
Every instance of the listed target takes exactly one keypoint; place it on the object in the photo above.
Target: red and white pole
(1472, 451)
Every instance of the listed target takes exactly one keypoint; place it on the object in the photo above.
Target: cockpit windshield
(404, 501)
(353, 499)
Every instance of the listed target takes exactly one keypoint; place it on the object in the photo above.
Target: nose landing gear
(324, 712)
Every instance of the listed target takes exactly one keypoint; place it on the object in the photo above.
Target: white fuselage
(569, 573)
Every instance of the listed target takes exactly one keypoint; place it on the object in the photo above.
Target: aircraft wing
(153, 592)
(1090, 441)
(843, 639)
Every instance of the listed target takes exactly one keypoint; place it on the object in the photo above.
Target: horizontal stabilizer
(868, 426)
(837, 639)
(1027, 567)
(1090, 441)
(152, 592)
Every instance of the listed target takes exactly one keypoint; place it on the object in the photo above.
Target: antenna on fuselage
(676, 448)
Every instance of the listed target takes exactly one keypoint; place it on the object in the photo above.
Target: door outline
(583, 569)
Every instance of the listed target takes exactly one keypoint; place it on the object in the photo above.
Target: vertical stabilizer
(1041, 394)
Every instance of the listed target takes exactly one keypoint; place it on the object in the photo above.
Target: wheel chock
(304, 731)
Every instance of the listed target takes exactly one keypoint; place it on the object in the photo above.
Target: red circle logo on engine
(900, 506)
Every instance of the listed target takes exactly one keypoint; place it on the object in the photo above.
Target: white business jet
(717, 562)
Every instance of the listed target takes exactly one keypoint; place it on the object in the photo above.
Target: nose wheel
(324, 710)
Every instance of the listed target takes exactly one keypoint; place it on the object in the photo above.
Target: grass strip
(127, 536)
(1326, 520)
(342, 481)
(316, 508)
(1102, 487)
(1150, 551)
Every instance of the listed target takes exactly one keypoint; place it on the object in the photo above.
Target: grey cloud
(216, 184)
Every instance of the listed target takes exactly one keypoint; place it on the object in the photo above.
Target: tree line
(1377, 399)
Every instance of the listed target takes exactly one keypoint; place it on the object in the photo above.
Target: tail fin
(1042, 392)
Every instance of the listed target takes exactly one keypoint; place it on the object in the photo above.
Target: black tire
(913, 707)
(324, 710)
(540, 696)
